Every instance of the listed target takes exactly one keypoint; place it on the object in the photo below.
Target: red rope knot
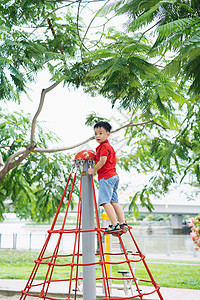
(142, 256)
(41, 294)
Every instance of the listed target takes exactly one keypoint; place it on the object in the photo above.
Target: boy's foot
(113, 228)
(124, 227)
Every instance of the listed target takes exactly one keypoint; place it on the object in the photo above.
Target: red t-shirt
(108, 170)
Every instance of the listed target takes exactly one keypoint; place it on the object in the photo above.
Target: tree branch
(6, 19)
(5, 146)
(82, 42)
(23, 154)
(138, 124)
(1, 162)
(147, 31)
(10, 164)
(19, 160)
(43, 94)
(49, 14)
(41, 150)
(77, 27)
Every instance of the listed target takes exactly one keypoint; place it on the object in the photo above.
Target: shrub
(195, 234)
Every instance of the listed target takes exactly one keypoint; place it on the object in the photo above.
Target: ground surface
(2, 297)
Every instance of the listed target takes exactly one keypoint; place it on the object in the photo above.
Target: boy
(106, 160)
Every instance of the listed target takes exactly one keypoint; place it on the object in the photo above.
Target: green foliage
(119, 70)
(177, 29)
(130, 81)
(93, 118)
(152, 71)
(34, 188)
(33, 37)
(169, 158)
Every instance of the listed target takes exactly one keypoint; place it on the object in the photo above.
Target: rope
(122, 258)
(35, 269)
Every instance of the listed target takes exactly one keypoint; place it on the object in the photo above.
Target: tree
(176, 49)
(176, 26)
(120, 66)
(34, 188)
(34, 37)
(123, 74)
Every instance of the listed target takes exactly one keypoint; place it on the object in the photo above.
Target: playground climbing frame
(85, 267)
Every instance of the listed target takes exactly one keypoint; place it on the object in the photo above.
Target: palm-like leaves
(178, 25)
(122, 73)
(24, 52)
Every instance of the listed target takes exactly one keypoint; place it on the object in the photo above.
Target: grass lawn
(19, 264)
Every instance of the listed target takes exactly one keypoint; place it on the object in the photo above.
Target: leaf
(146, 17)
(171, 27)
(133, 205)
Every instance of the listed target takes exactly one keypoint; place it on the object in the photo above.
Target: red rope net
(68, 267)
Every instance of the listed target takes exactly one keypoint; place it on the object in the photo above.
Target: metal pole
(168, 244)
(30, 238)
(14, 240)
(88, 238)
(143, 244)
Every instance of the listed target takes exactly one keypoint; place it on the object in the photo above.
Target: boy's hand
(90, 171)
(98, 166)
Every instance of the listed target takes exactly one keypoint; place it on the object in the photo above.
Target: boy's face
(101, 134)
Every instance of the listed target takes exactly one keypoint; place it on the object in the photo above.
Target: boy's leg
(109, 209)
(119, 212)
(114, 202)
(105, 194)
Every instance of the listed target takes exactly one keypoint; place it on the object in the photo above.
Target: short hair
(103, 124)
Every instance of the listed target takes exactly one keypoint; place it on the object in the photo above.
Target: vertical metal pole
(143, 244)
(14, 240)
(195, 253)
(88, 238)
(30, 238)
(168, 244)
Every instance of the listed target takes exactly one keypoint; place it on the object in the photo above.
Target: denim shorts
(108, 190)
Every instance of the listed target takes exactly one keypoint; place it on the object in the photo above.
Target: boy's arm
(99, 165)
(117, 159)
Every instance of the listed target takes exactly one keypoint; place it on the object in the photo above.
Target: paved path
(11, 290)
